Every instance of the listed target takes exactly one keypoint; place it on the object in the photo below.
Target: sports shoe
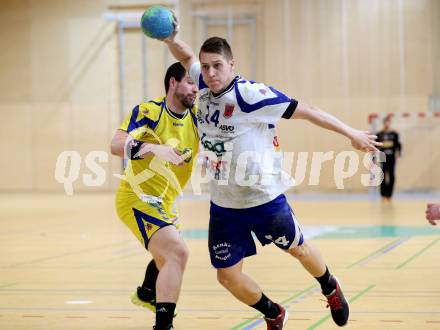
(144, 298)
(338, 305)
(279, 322)
(170, 327)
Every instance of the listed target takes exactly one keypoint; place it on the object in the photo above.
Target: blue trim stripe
(141, 217)
(149, 218)
(271, 126)
(246, 107)
(244, 81)
(134, 114)
(163, 106)
(193, 116)
(157, 103)
(144, 121)
(202, 83)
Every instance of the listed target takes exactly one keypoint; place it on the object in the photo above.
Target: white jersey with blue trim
(237, 132)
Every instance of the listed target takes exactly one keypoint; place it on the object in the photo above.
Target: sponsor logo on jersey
(227, 128)
(263, 91)
(229, 109)
(200, 118)
(218, 148)
(177, 124)
(204, 96)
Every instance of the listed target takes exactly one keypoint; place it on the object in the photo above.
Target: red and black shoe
(279, 322)
(338, 305)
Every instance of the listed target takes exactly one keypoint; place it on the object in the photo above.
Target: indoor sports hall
(70, 72)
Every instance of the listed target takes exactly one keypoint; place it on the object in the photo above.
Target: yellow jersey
(155, 181)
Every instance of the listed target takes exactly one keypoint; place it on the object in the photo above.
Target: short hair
(217, 45)
(387, 118)
(176, 71)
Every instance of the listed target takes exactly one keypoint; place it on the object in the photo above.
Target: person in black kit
(392, 149)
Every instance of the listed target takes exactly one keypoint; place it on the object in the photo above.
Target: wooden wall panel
(60, 80)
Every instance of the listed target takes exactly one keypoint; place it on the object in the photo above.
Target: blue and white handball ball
(157, 22)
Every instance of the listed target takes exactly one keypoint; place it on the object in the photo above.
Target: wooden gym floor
(68, 263)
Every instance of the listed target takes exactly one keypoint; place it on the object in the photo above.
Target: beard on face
(187, 100)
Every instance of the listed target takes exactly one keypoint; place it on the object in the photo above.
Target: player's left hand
(432, 213)
(173, 35)
(364, 141)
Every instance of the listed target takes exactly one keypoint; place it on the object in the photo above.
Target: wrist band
(133, 148)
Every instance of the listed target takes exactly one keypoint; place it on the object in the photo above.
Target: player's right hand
(163, 152)
(364, 141)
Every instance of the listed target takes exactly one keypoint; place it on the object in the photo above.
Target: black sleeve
(380, 139)
(290, 109)
(379, 136)
(397, 144)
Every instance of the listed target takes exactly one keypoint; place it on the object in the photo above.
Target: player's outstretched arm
(361, 140)
(124, 146)
(432, 213)
(180, 50)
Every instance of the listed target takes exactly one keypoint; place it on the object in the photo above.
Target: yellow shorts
(144, 215)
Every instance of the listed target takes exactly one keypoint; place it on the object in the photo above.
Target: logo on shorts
(229, 109)
(221, 251)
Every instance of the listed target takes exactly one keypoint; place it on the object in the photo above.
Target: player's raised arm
(361, 140)
(160, 23)
(180, 50)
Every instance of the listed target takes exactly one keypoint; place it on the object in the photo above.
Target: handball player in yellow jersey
(159, 139)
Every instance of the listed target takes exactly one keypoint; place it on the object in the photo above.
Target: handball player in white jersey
(236, 123)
